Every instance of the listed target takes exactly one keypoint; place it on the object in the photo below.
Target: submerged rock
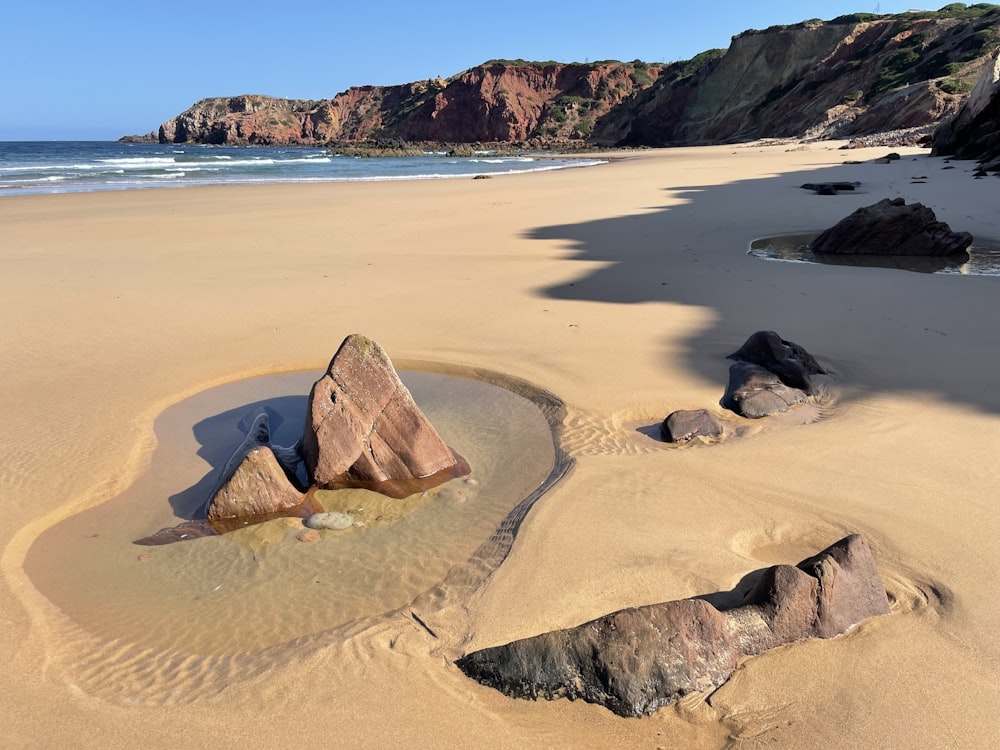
(683, 425)
(254, 483)
(639, 659)
(363, 428)
(890, 227)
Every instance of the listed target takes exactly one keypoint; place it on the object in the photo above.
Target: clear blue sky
(102, 69)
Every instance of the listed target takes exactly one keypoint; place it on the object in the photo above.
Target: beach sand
(620, 289)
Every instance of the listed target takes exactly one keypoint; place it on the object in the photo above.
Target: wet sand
(620, 289)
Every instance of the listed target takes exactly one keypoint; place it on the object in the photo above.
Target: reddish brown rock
(363, 428)
(638, 659)
(890, 227)
(254, 484)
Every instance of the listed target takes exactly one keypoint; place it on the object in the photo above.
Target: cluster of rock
(770, 375)
(891, 227)
(363, 429)
(638, 659)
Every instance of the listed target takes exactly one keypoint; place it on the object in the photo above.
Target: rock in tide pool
(254, 483)
(363, 428)
(890, 227)
(330, 521)
(639, 659)
(684, 425)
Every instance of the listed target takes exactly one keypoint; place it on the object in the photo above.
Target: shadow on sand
(694, 252)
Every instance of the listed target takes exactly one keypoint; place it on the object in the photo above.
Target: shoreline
(618, 290)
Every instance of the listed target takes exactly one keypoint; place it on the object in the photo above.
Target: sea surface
(85, 166)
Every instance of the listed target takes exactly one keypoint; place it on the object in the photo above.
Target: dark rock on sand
(639, 659)
(684, 425)
(755, 392)
(363, 428)
(254, 483)
(890, 227)
(786, 359)
(830, 188)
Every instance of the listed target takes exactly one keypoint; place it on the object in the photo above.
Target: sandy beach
(619, 289)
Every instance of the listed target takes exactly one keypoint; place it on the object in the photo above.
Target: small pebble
(331, 521)
(309, 535)
(143, 557)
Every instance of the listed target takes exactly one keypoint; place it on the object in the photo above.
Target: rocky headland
(850, 77)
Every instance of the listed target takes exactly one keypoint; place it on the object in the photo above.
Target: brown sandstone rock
(363, 428)
(890, 227)
(253, 483)
(638, 659)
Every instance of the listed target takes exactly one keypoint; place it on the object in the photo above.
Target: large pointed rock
(363, 428)
(890, 227)
(253, 484)
(638, 659)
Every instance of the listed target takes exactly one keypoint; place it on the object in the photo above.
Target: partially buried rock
(253, 484)
(683, 425)
(786, 359)
(638, 659)
(890, 227)
(755, 392)
(364, 429)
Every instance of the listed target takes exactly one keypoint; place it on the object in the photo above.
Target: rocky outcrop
(687, 424)
(974, 132)
(363, 428)
(497, 102)
(253, 484)
(639, 659)
(890, 227)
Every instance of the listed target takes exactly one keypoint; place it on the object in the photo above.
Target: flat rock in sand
(638, 659)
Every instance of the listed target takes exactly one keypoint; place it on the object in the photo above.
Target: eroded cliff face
(851, 76)
(974, 132)
(820, 80)
(495, 102)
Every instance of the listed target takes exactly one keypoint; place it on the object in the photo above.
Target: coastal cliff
(847, 77)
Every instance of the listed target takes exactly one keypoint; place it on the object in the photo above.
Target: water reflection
(982, 258)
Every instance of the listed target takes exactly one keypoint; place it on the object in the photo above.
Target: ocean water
(86, 166)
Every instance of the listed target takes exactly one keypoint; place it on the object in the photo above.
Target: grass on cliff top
(958, 11)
